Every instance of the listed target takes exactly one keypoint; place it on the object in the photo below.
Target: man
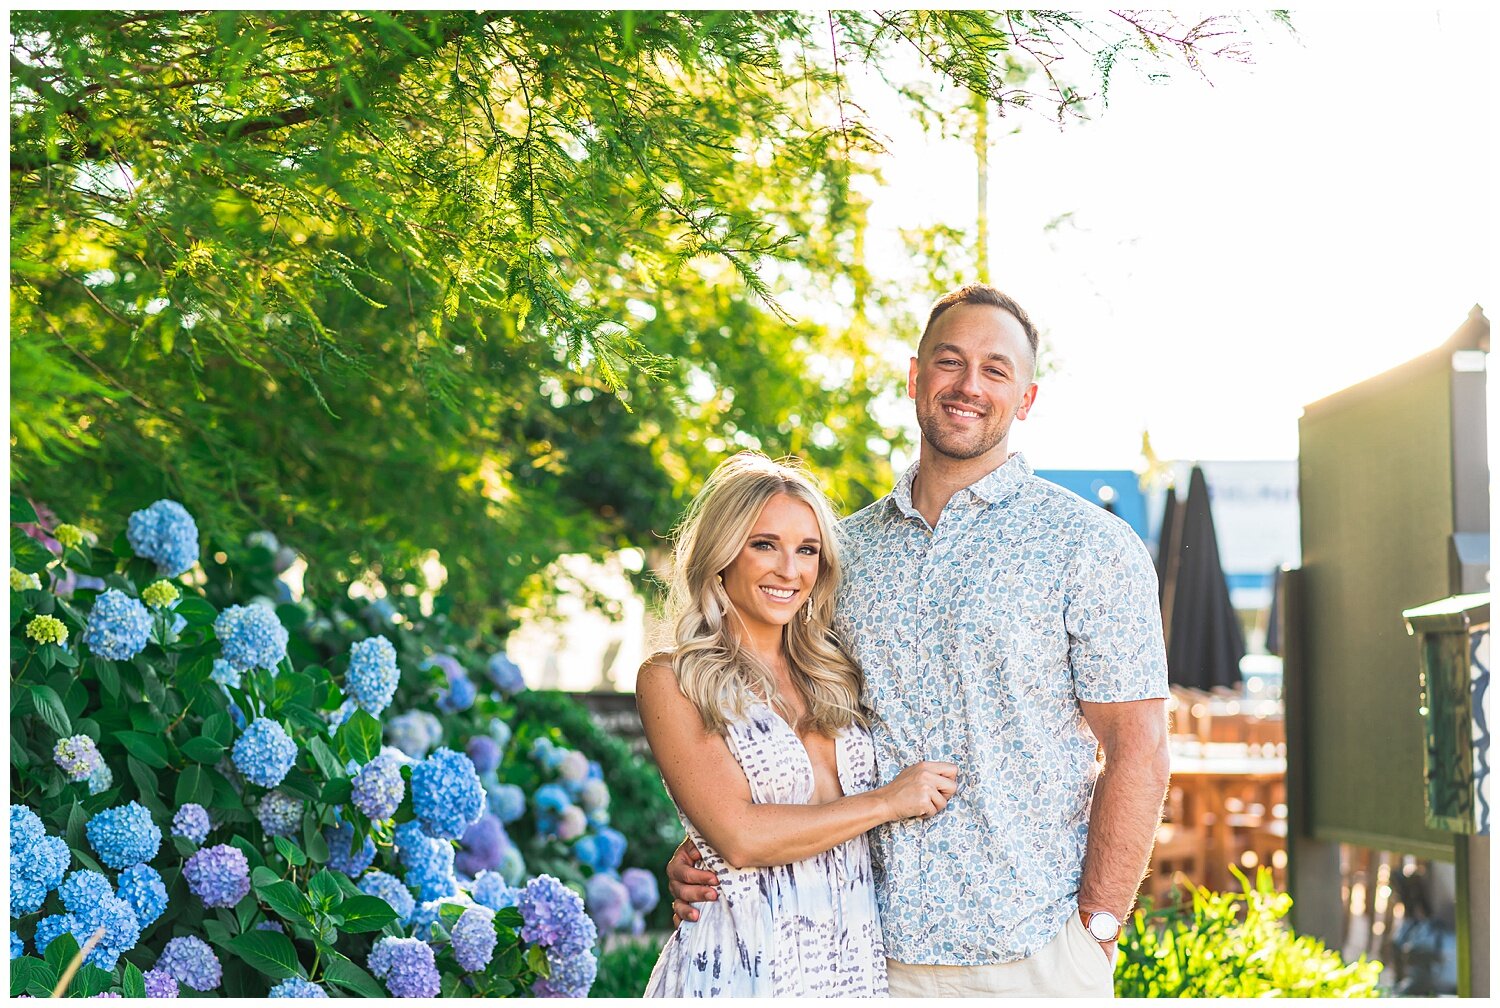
(1010, 627)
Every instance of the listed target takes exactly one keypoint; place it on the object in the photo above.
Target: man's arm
(1127, 804)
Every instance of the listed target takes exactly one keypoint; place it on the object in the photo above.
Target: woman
(755, 721)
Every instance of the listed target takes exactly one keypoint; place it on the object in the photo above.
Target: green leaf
(359, 737)
(324, 889)
(49, 707)
(449, 913)
(299, 785)
(26, 554)
(77, 819)
(21, 511)
(203, 750)
(508, 917)
(27, 972)
(536, 960)
(90, 980)
(194, 785)
(343, 973)
(338, 791)
(146, 785)
(61, 951)
(133, 984)
(196, 610)
(149, 749)
(286, 899)
(329, 764)
(263, 876)
(218, 727)
(267, 951)
(290, 851)
(108, 676)
(365, 913)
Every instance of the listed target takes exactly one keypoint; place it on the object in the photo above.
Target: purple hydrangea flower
(474, 938)
(190, 961)
(78, 757)
(446, 794)
(641, 884)
(165, 534)
(593, 795)
(118, 626)
(607, 901)
(252, 637)
(414, 732)
(460, 693)
(389, 888)
(378, 787)
(483, 753)
(553, 916)
(571, 824)
(341, 855)
(373, 674)
(571, 976)
(280, 814)
(160, 983)
(264, 753)
(482, 846)
(574, 766)
(505, 675)
(141, 886)
(297, 987)
(218, 875)
(123, 835)
(406, 965)
(191, 821)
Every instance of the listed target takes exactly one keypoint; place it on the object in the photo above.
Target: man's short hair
(983, 294)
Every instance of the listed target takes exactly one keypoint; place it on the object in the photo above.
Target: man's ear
(1027, 401)
(911, 380)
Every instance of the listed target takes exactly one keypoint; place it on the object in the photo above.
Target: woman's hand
(922, 789)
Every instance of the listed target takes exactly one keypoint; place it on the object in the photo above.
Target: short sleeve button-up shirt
(978, 638)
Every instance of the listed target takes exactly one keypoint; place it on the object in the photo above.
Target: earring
(807, 610)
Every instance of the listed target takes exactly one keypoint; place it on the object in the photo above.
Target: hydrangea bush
(220, 788)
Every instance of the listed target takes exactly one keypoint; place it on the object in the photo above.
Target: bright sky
(1236, 249)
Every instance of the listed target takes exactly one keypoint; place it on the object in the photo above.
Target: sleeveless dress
(806, 929)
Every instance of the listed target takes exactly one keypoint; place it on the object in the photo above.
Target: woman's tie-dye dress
(806, 929)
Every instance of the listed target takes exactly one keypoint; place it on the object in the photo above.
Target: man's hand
(689, 883)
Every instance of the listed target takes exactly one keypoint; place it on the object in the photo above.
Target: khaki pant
(1071, 965)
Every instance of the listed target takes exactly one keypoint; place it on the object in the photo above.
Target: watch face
(1103, 926)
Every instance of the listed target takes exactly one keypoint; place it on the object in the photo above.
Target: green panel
(1377, 511)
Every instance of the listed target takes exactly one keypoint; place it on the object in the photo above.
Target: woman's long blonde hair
(718, 675)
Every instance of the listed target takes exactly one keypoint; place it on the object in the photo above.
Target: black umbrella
(1204, 640)
(1164, 547)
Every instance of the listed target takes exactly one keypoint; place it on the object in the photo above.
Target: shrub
(1232, 945)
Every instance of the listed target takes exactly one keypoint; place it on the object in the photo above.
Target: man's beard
(958, 447)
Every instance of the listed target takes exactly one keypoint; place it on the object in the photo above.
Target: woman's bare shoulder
(657, 679)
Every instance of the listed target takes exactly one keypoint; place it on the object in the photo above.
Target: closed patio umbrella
(1203, 635)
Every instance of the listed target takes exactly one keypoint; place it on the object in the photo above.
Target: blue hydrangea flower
(118, 626)
(93, 905)
(191, 821)
(17, 946)
(218, 875)
(554, 917)
(642, 887)
(406, 965)
(373, 674)
(426, 914)
(505, 675)
(474, 938)
(37, 861)
(270, 925)
(391, 889)
(500, 732)
(571, 975)
(460, 693)
(102, 778)
(414, 732)
(481, 847)
(550, 798)
(165, 534)
(381, 612)
(446, 794)
(513, 865)
(78, 757)
(602, 851)
(252, 637)
(160, 984)
(549, 755)
(342, 713)
(428, 861)
(607, 901)
(593, 796)
(490, 889)
(225, 674)
(50, 927)
(297, 987)
(190, 961)
(280, 814)
(378, 787)
(124, 835)
(141, 886)
(341, 855)
(506, 801)
(264, 753)
(483, 753)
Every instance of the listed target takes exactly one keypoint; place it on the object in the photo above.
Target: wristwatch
(1103, 925)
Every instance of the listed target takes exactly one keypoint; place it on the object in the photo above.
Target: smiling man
(1010, 627)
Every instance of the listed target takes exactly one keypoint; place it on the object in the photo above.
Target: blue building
(1118, 491)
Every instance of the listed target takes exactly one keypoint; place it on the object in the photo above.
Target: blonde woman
(755, 721)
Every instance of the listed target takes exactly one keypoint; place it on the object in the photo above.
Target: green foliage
(1233, 945)
(499, 284)
(625, 969)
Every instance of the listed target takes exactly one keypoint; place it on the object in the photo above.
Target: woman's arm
(709, 784)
